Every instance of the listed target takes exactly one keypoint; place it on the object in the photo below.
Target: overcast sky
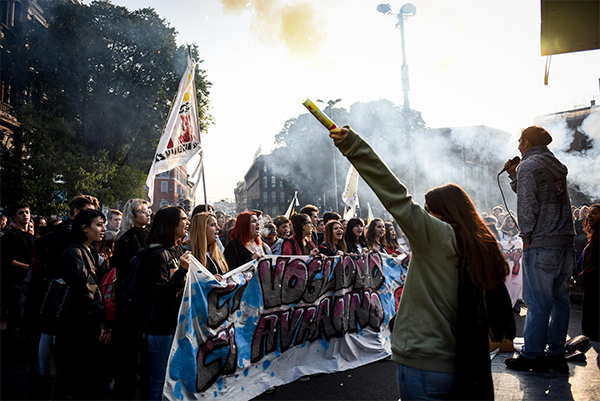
(472, 62)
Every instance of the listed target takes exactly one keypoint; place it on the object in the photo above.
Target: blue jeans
(546, 273)
(44, 351)
(417, 384)
(159, 347)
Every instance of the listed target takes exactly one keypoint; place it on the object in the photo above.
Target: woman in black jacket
(334, 243)
(85, 324)
(245, 243)
(163, 270)
(130, 348)
(204, 235)
(355, 236)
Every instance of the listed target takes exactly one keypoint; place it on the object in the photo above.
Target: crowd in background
(126, 272)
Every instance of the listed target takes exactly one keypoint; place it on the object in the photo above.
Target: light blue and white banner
(271, 321)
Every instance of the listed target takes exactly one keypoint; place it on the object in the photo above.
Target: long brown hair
(341, 244)
(478, 251)
(371, 238)
(298, 220)
(589, 230)
(198, 242)
(391, 242)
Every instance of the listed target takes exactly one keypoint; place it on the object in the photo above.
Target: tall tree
(95, 87)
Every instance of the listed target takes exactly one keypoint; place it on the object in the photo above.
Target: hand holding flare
(338, 134)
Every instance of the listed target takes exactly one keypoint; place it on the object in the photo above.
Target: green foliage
(95, 88)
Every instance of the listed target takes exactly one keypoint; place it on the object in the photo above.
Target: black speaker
(570, 26)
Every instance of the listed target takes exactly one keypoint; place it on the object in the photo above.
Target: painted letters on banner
(513, 252)
(271, 321)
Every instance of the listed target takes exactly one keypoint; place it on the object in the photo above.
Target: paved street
(377, 381)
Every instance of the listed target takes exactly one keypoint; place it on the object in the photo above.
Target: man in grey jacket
(547, 230)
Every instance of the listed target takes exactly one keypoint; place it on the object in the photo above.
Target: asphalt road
(377, 381)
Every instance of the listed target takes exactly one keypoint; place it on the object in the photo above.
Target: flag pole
(200, 142)
(203, 174)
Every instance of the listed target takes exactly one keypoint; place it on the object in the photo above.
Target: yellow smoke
(297, 26)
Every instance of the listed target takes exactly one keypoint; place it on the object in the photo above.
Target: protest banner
(271, 321)
(513, 252)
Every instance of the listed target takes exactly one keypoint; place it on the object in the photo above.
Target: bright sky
(471, 62)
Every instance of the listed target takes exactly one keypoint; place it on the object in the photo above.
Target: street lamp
(330, 104)
(406, 11)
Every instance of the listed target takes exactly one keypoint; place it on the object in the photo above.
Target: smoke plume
(583, 166)
(297, 26)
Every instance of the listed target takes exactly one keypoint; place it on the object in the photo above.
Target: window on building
(265, 197)
(164, 186)
(264, 168)
(164, 202)
(274, 197)
(274, 211)
(273, 182)
(282, 195)
(264, 182)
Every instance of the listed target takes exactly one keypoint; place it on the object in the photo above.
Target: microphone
(515, 160)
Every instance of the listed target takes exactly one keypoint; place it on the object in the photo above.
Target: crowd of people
(132, 316)
(95, 285)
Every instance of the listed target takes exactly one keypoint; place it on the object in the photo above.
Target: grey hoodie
(543, 203)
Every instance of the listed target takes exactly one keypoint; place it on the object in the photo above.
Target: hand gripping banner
(271, 321)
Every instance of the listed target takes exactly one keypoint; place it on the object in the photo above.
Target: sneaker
(558, 363)
(538, 364)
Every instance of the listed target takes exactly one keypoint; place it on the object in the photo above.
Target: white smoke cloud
(583, 165)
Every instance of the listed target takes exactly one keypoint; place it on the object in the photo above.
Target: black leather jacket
(162, 284)
(77, 266)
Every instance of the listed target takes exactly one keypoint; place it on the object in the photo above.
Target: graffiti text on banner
(274, 320)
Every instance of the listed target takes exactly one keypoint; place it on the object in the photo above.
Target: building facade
(12, 13)
(262, 189)
(172, 188)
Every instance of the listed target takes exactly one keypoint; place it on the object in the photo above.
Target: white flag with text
(180, 140)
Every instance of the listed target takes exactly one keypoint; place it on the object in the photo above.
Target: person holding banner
(245, 243)
(392, 245)
(354, 236)
(334, 243)
(454, 295)
(203, 243)
(162, 274)
(300, 242)
(376, 236)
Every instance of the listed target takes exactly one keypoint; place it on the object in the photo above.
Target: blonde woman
(204, 235)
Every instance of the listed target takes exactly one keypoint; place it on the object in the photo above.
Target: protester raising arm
(440, 334)
(422, 230)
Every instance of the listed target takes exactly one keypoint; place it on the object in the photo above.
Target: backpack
(108, 288)
(39, 276)
(133, 295)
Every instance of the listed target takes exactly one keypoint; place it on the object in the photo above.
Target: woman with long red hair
(245, 243)
(454, 295)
